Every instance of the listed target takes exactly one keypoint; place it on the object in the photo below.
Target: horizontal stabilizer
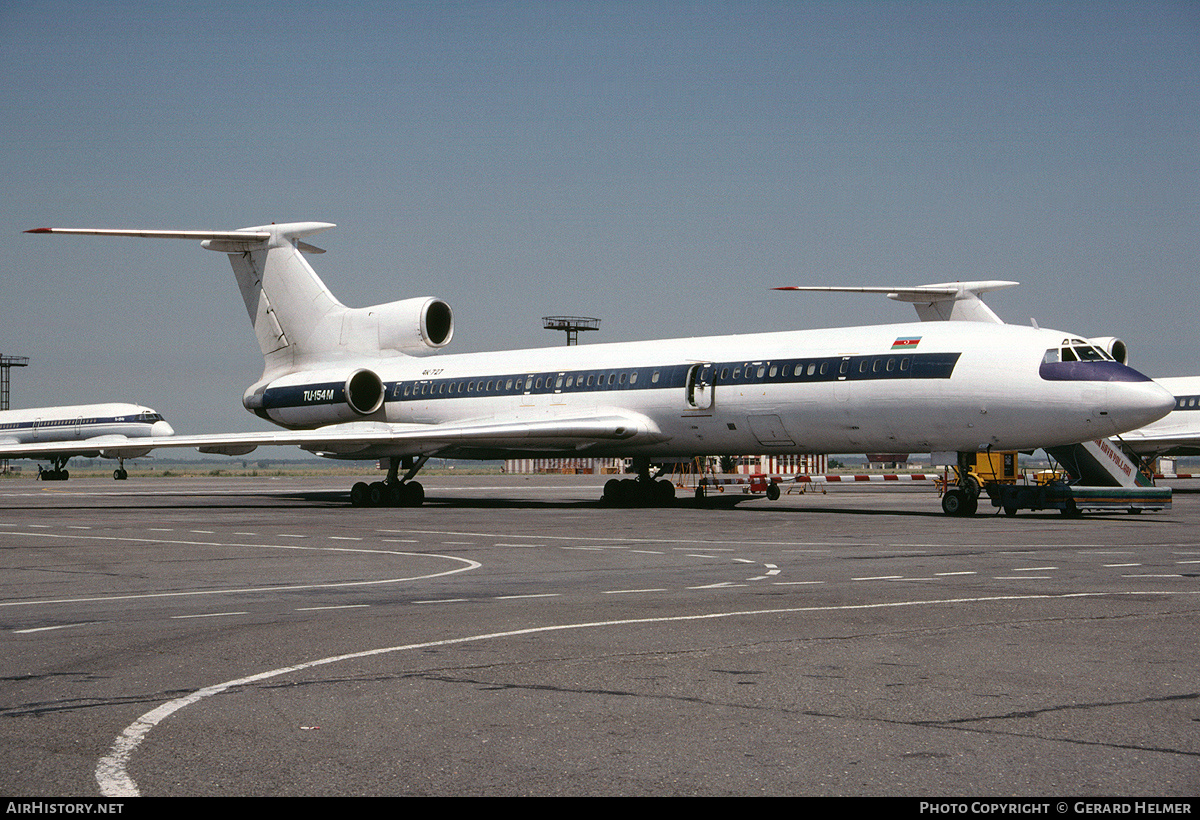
(223, 241)
(949, 301)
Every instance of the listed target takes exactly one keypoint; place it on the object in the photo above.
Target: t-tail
(300, 325)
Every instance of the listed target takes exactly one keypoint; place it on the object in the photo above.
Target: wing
(90, 448)
(367, 440)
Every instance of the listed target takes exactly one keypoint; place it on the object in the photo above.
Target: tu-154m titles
(357, 383)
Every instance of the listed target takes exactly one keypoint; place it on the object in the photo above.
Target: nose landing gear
(963, 498)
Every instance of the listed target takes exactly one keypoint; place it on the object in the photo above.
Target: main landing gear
(119, 474)
(642, 491)
(963, 498)
(56, 473)
(392, 491)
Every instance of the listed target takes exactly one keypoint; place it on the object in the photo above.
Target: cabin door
(700, 379)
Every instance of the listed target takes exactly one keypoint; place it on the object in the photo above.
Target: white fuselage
(916, 387)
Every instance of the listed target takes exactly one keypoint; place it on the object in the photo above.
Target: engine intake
(364, 392)
(1113, 347)
(412, 326)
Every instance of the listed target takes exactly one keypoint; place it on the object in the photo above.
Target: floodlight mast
(571, 325)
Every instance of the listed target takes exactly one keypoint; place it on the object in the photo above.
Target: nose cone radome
(161, 428)
(1140, 403)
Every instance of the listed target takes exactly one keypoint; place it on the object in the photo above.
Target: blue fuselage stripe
(665, 377)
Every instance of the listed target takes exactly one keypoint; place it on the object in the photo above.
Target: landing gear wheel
(959, 502)
(952, 502)
(360, 494)
(412, 494)
(377, 494)
(664, 492)
(120, 475)
(772, 491)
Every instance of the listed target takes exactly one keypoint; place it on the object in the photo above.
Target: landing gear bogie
(639, 493)
(383, 494)
(393, 491)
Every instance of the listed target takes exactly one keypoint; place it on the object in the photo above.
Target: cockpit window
(1076, 350)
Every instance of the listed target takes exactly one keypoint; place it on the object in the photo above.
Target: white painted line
(878, 578)
(1111, 566)
(796, 583)
(1021, 577)
(344, 538)
(531, 595)
(208, 615)
(718, 585)
(630, 591)
(1032, 569)
(443, 601)
(48, 628)
(112, 774)
(961, 572)
(321, 608)
(469, 565)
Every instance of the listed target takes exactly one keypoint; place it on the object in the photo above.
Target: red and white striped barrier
(759, 482)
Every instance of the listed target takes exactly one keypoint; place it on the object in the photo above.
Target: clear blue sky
(658, 165)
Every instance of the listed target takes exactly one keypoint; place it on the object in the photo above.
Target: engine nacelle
(317, 398)
(1113, 347)
(413, 326)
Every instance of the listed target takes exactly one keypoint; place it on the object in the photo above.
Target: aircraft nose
(161, 428)
(1140, 403)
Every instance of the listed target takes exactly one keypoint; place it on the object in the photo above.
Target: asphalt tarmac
(258, 636)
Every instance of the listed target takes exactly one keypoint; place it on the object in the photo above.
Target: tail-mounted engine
(317, 398)
(413, 326)
(1113, 347)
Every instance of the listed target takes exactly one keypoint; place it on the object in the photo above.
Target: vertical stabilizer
(295, 317)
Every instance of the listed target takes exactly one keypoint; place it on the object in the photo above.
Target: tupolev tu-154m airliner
(111, 430)
(359, 383)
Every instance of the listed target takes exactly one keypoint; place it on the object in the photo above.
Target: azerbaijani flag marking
(905, 342)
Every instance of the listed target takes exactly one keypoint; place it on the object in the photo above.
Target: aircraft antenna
(571, 324)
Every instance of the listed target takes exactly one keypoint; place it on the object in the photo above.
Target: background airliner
(1177, 434)
(359, 383)
(109, 430)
